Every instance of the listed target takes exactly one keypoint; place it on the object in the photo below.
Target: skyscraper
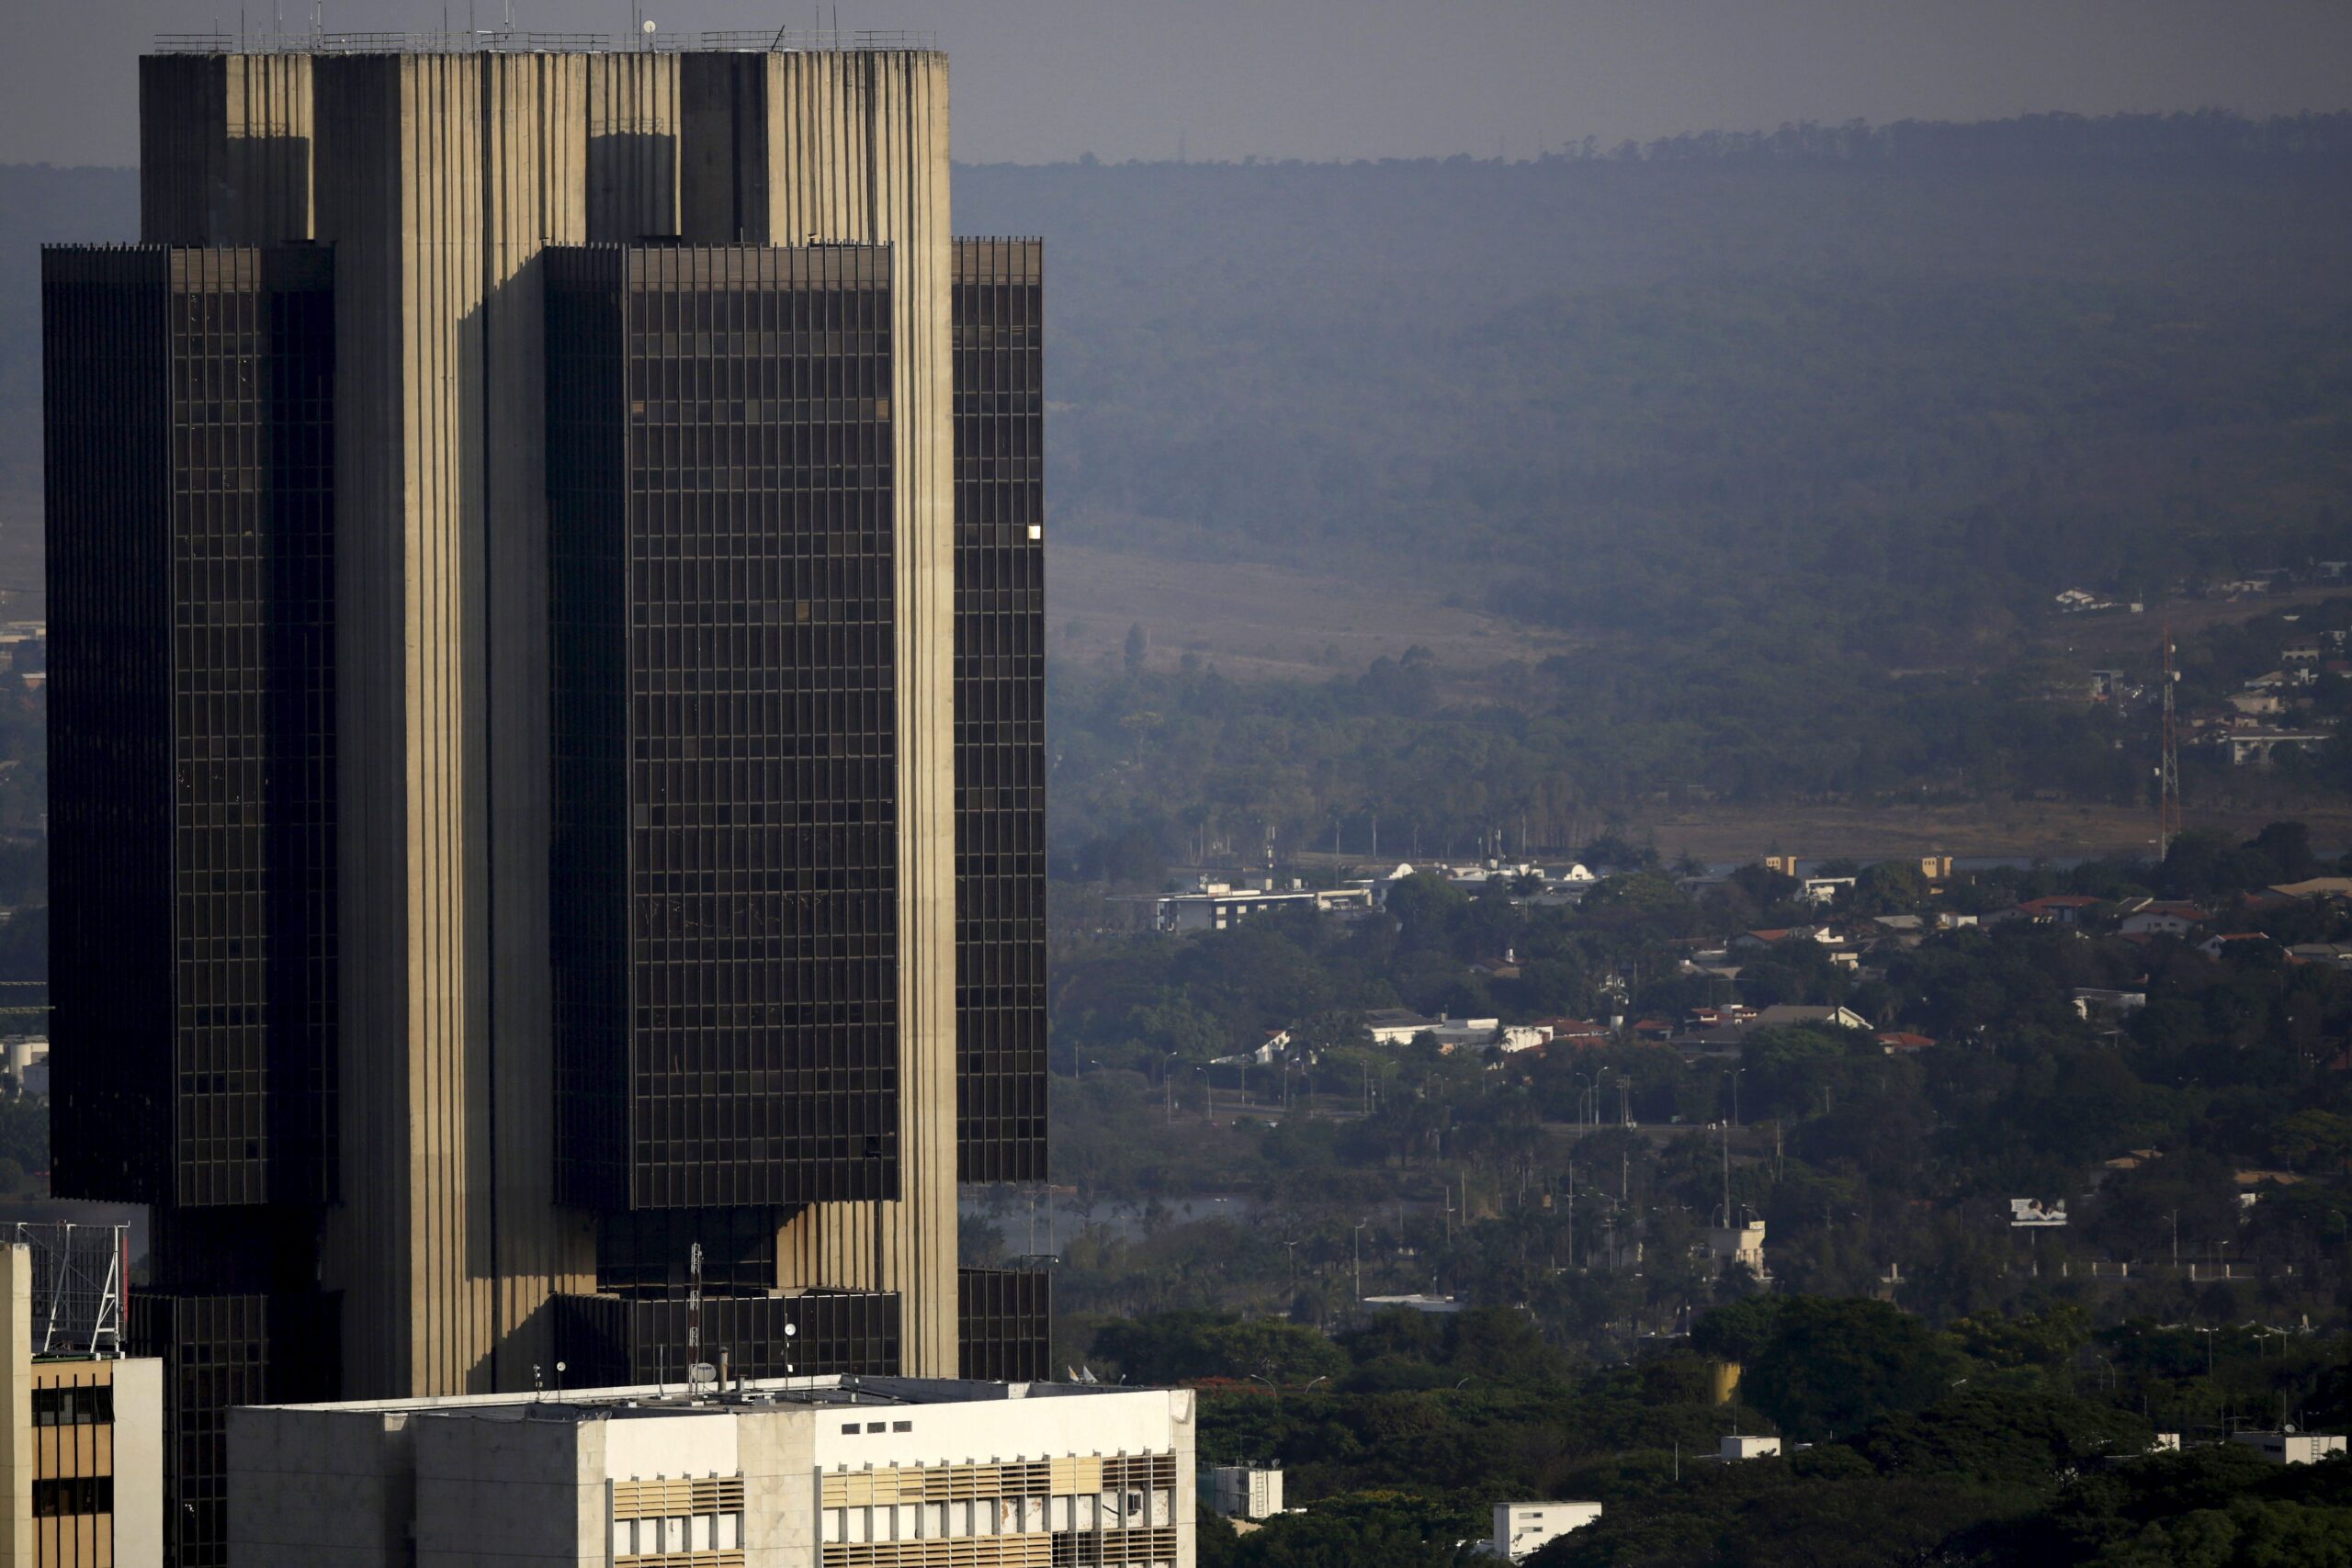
(547, 722)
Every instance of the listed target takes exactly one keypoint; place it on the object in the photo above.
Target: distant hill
(1783, 442)
(1972, 362)
(1949, 369)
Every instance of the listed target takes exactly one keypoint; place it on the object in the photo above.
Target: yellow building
(82, 1450)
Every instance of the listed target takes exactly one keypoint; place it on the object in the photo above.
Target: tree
(1835, 1366)
(1368, 1529)
(2315, 1138)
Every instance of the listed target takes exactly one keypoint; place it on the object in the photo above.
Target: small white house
(1245, 1492)
(1736, 1448)
(1521, 1529)
(1739, 1246)
(2292, 1447)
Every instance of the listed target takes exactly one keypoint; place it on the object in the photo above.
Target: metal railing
(79, 1275)
(787, 41)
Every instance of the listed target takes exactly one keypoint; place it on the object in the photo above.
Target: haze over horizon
(1041, 81)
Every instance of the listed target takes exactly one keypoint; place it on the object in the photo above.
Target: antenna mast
(2168, 765)
(1726, 1176)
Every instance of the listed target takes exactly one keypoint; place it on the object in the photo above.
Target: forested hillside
(1906, 382)
(1795, 438)
(1784, 442)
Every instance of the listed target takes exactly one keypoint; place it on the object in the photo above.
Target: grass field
(1257, 623)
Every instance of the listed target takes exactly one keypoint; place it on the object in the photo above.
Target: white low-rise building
(2292, 1447)
(25, 1059)
(1246, 1491)
(783, 1472)
(1736, 1449)
(1438, 1307)
(1216, 906)
(1521, 1529)
(1739, 1246)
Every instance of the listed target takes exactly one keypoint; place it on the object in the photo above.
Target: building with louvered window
(808, 1472)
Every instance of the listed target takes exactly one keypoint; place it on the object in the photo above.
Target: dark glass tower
(190, 408)
(724, 877)
(725, 869)
(1000, 1077)
(1000, 709)
(546, 735)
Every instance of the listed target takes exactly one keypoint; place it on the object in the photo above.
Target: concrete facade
(1245, 1492)
(2292, 1447)
(778, 1474)
(1522, 1529)
(816, 148)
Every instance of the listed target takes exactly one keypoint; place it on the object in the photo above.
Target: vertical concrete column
(777, 1448)
(808, 148)
(224, 149)
(138, 1461)
(440, 177)
(632, 146)
(1187, 1500)
(537, 116)
(17, 1397)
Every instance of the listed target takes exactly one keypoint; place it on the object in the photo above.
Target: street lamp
(1735, 1076)
(1360, 1224)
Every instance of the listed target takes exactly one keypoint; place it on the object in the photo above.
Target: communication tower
(2168, 765)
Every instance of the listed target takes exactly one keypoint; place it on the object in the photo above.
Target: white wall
(1006, 1430)
(643, 1447)
(139, 1463)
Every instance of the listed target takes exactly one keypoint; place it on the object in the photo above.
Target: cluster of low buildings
(2273, 711)
(1214, 903)
(1856, 943)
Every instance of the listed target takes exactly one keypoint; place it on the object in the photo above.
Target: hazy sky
(1038, 80)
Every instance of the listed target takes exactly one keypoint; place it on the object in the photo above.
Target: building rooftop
(506, 41)
(747, 1393)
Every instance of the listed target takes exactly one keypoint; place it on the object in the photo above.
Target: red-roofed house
(1898, 1041)
(2232, 941)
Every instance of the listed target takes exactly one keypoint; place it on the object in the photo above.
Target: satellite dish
(790, 1329)
(702, 1371)
(648, 25)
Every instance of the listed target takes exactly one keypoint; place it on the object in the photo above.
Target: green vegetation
(2007, 1441)
(1973, 1394)
(1797, 435)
